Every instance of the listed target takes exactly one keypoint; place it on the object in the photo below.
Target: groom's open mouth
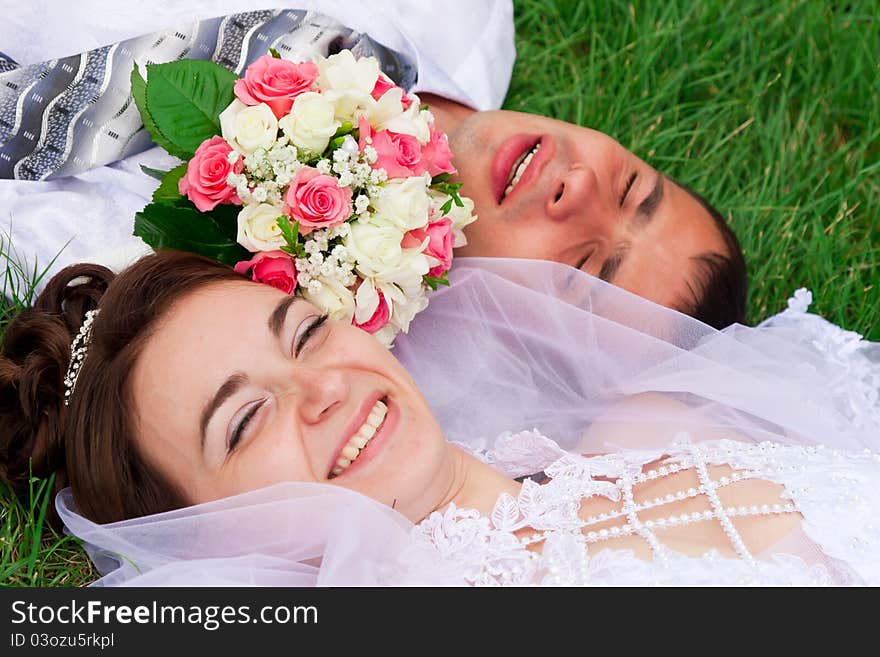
(368, 427)
(512, 166)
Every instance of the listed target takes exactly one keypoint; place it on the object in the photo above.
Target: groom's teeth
(360, 439)
(521, 168)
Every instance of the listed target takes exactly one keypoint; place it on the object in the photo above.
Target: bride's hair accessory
(342, 179)
(78, 350)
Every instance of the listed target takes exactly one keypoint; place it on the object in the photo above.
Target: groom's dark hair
(721, 289)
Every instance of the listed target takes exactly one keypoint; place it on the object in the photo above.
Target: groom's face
(555, 191)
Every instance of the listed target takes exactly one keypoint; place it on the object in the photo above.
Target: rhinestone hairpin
(78, 350)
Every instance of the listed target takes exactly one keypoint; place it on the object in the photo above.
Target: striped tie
(65, 116)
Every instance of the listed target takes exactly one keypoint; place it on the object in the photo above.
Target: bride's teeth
(357, 442)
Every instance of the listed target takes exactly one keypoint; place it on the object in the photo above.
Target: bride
(217, 431)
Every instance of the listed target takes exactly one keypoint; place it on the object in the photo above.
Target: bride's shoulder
(648, 420)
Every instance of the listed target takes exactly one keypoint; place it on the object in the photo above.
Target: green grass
(771, 110)
(31, 552)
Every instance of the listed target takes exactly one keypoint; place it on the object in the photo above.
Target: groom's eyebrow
(645, 211)
(648, 207)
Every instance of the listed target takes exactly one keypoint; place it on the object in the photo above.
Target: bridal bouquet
(321, 178)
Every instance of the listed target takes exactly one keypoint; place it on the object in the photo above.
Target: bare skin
(240, 388)
(583, 200)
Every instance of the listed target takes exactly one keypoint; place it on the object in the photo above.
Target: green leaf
(290, 233)
(274, 53)
(184, 100)
(158, 174)
(446, 207)
(440, 178)
(186, 229)
(343, 130)
(168, 193)
(433, 281)
(139, 93)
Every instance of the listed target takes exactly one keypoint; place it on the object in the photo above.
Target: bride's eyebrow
(224, 392)
(276, 319)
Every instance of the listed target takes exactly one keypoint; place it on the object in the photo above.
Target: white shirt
(464, 51)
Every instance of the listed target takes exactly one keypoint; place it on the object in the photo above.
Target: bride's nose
(319, 394)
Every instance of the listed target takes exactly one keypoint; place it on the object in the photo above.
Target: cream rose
(248, 127)
(410, 122)
(403, 203)
(332, 297)
(258, 227)
(310, 123)
(376, 248)
(342, 72)
(348, 83)
(460, 216)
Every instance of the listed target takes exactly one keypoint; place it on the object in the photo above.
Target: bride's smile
(267, 390)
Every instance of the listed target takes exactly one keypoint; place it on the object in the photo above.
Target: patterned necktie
(65, 116)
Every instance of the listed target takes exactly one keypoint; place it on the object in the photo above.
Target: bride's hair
(90, 443)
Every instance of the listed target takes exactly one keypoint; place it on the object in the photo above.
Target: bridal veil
(510, 346)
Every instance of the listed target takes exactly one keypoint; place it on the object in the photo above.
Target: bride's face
(242, 386)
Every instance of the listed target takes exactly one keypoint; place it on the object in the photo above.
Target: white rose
(406, 308)
(348, 82)
(410, 122)
(332, 297)
(366, 301)
(310, 123)
(404, 203)
(258, 227)
(376, 249)
(460, 216)
(342, 72)
(389, 106)
(248, 128)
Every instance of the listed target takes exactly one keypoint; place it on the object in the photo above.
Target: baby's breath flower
(370, 154)
(361, 203)
(323, 166)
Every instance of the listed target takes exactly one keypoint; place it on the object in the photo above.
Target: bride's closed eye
(247, 414)
(306, 331)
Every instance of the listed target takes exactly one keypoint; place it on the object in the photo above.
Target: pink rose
(205, 179)
(275, 268)
(316, 200)
(382, 85)
(440, 246)
(436, 155)
(275, 82)
(379, 319)
(400, 155)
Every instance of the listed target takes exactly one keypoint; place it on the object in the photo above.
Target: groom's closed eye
(645, 212)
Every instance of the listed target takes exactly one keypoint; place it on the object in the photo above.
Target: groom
(542, 188)
(552, 190)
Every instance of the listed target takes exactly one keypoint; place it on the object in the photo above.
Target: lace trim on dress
(830, 490)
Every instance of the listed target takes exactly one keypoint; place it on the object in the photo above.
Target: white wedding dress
(764, 439)
(834, 496)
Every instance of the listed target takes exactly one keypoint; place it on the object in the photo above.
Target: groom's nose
(578, 199)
